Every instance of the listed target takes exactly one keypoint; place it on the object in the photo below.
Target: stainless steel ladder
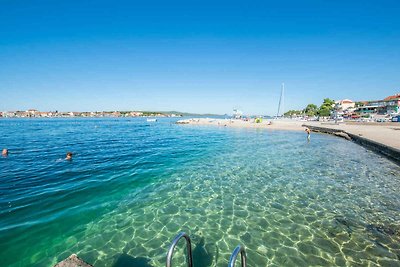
(188, 246)
(239, 249)
(234, 255)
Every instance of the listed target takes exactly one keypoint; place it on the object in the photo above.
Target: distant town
(33, 113)
(346, 108)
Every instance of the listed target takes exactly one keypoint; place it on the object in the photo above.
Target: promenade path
(384, 133)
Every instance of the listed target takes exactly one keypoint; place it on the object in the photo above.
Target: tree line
(311, 110)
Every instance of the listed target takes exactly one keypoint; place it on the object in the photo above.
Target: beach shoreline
(266, 124)
(383, 138)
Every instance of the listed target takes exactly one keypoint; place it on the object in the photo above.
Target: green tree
(292, 112)
(311, 110)
(328, 104)
(324, 112)
(326, 107)
(359, 104)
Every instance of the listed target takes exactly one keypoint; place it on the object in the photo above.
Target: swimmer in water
(4, 153)
(69, 156)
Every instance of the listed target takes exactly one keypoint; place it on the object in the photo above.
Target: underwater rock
(73, 261)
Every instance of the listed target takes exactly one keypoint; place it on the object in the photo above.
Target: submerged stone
(73, 261)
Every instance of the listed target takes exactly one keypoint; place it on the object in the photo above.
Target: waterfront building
(136, 114)
(389, 105)
(9, 114)
(345, 104)
(32, 113)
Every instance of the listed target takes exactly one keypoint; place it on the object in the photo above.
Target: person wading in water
(308, 131)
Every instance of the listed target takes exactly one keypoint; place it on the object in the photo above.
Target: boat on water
(151, 120)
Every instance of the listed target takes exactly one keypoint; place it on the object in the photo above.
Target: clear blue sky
(195, 56)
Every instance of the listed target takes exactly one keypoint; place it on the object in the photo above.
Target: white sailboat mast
(281, 101)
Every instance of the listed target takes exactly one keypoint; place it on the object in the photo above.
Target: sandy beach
(387, 134)
(267, 124)
(383, 133)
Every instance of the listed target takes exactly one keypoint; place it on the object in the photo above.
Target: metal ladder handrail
(234, 255)
(188, 246)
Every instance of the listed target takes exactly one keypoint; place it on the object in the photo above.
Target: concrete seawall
(390, 152)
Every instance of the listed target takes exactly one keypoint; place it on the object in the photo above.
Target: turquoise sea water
(133, 185)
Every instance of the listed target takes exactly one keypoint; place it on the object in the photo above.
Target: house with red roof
(345, 104)
(389, 105)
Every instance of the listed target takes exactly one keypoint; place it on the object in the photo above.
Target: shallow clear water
(132, 186)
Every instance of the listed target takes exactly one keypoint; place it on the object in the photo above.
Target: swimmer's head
(69, 156)
(4, 152)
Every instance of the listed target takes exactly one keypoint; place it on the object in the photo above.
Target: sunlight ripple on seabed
(289, 202)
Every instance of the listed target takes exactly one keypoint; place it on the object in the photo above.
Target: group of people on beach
(4, 153)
